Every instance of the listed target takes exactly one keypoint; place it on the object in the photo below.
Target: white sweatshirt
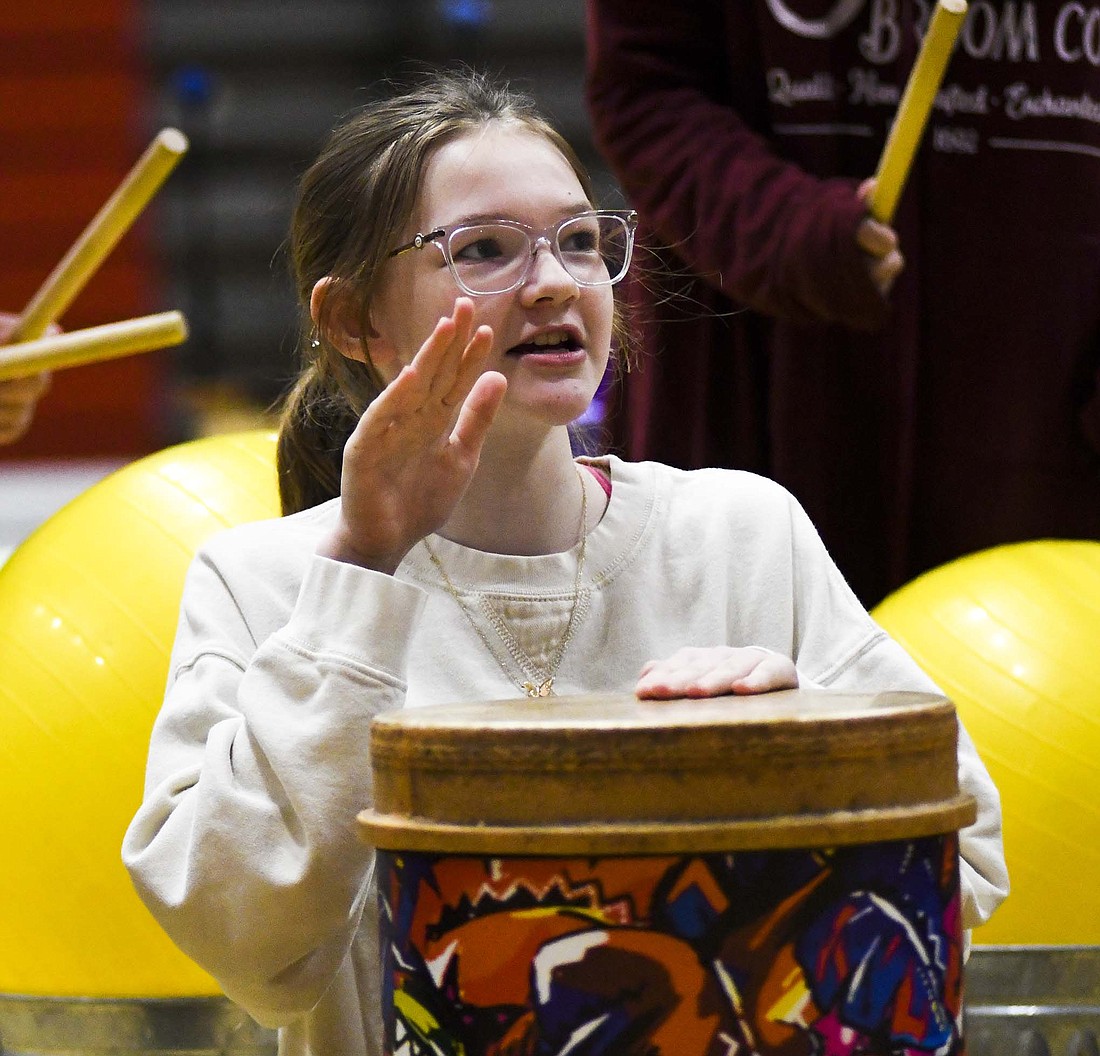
(245, 847)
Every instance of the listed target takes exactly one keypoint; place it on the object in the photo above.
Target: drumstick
(93, 344)
(101, 235)
(916, 104)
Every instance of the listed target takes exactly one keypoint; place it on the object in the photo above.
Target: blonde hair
(353, 204)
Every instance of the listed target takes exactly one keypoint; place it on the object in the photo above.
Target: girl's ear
(342, 323)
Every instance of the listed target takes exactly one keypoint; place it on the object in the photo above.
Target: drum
(590, 875)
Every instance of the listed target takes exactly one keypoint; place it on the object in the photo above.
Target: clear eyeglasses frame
(497, 256)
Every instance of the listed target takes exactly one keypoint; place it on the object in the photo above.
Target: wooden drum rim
(604, 773)
(401, 833)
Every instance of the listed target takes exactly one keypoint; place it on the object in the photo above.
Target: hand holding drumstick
(880, 242)
(34, 344)
(18, 396)
(881, 193)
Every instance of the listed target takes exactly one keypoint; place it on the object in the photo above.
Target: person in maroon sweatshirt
(957, 410)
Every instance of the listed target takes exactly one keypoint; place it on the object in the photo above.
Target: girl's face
(551, 337)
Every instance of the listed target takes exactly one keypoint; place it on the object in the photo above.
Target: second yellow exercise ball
(88, 611)
(1012, 635)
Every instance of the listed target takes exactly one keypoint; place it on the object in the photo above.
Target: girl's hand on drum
(414, 451)
(716, 672)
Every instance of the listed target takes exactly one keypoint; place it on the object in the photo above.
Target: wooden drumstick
(916, 104)
(93, 344)
(101, 235)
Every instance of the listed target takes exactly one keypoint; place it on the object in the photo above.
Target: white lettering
(839, 18)
(1020, 34)
(1077, 34)
(1011, 33)
(955, 140)
(783, 90)
(1061, 26)
(976, 45)
(924, 16)
(865, 87)
(1092, 38)
(1021, 103)
(954, 99)
(883, 37)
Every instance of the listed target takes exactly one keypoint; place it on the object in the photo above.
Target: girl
(443, 544)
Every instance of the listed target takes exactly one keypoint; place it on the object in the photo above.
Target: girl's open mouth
(551, 342)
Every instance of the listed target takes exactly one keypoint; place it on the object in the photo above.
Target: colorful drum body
(594, 875)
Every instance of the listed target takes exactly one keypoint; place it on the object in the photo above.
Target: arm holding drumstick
(23, 365)
(881, 193)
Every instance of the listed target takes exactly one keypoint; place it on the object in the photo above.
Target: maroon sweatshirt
(960, 413)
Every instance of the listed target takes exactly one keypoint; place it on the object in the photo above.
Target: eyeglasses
(497, 256)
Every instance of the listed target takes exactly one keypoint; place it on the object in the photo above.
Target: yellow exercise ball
(1012, 635)
(88, 611)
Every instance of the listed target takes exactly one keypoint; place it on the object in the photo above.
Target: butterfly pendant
(543, 689)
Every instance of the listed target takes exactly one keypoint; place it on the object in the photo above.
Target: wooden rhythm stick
(93, 344)
(101, 235)
(916, 104)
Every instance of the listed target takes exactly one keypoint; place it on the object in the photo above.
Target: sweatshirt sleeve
(245, 847)
(839, 646)
(759, 228)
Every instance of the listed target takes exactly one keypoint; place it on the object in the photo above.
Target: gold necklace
(539, 682)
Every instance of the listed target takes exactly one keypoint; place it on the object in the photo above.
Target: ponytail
(315, 424)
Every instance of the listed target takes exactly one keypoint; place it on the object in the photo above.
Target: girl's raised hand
(715, 672)
(414, 451)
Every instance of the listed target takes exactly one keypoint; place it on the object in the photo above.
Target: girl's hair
(353, 205)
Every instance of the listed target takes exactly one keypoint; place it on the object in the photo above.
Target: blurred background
(256, 85)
